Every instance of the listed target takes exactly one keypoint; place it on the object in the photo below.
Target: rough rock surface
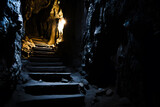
(11, 31)
(36, 14)
(121, 39)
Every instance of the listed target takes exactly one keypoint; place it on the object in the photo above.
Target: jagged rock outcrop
(122, 36)
(11, 32)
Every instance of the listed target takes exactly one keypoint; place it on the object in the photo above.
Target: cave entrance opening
(43, 23)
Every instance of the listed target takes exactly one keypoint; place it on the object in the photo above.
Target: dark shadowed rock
(109, 92)
(11, 32)
(120, 45)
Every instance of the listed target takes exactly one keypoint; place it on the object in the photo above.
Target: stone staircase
(50, 84)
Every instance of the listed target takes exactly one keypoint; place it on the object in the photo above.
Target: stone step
(45, 63)
(50, 77)
(40, 44)
(46, 88)
(44, 56)
(75, 100)
(46, 68)
(43, 52)
(43, 59)
(43, 49)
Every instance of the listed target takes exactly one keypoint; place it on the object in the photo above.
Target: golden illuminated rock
(56, 15)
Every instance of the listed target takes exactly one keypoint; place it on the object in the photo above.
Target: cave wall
(35, 14)
(11, 32)
(120, 47)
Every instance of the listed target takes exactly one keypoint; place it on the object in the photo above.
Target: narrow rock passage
(49, 84)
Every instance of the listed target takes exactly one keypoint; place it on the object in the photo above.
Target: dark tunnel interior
(79, 53)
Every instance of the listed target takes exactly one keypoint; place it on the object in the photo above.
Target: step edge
(34, 73)
(51, 97)
(50, 84)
